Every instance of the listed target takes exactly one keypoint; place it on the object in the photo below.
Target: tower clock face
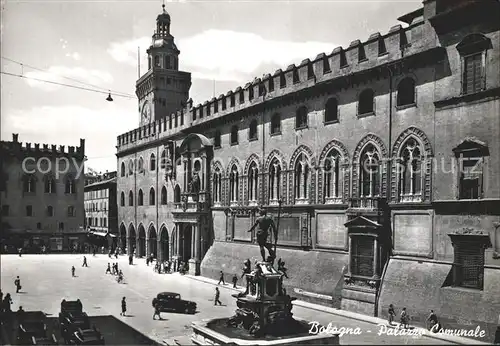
(146, 113)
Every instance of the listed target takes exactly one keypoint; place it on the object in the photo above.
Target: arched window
(50, 184)
(301, 179)
(332, 178)
(151, 196)
(157, 61)
(410, 172)
(233, 185)
(217, 185)
(70, 186)
(366, 102)
(301, 117)
(472, 50)
(163, 162)
(253, 183)
(275, 124)
(163, 195)
(217, 139)
(122, 199)
(122, 170)
(177, 194)
(331, 110)
(252, 130)
(130, 198)
(234, 135)
(274, 181)
(406, 92)
(29, 184)
(141, 165)
(152, 162)
(140, 198)
(131, 167)
(370, 172)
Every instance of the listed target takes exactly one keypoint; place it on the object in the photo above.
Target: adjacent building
(101, 208)
(42, 196)
(382, 159)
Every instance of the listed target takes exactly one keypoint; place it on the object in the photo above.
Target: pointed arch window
(370, 172)
(177, 194)
(29, 184)
(131, 167)
(140, 198)
(233, 185)
(217, 139)
(70, 186)
(50, 185)
(410, 172)
(332, 177)
(152, 196)
(163, 195)
(301, 179)
(122, 199)
(152, 162)
(274, 181)
(141, 165)
(217, 185)
(253, 184)
(130, 198)
(122, 170)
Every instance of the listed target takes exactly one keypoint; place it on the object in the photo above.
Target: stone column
(375, 258)
(302, 181)
(276, 183)
(159, 249)
(185, 174)
(349, 260)
(194, 262)
(203, 172)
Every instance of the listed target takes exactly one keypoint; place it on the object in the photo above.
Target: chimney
(15, 137)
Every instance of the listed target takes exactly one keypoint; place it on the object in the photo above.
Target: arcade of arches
(144, 243)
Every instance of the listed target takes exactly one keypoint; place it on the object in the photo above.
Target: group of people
(113, 270)
(404, 319)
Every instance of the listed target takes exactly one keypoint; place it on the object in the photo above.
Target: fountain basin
(216, 332)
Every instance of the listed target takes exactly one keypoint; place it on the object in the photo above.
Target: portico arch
(164, 253)
(152, 242)
(141, 242)
(123, 238)
(132, 240)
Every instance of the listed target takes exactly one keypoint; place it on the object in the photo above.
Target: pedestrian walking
(7, 301)
(73, 271)
(157, 310)
(108, 270)
(124, 307)
(20, 250)
(84, 262)
(235, 280)
(404, 318)
(116, 266)
(93, 251)
(432, 321)
(217, 296)
(130, 260)
(221, 278)
(17, 283)
(391, 313)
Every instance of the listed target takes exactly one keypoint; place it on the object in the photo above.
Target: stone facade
(42, 196)
(330, 137)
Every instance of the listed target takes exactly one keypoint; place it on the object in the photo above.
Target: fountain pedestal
(264, 316)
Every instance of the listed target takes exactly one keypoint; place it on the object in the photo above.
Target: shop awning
(101, 234)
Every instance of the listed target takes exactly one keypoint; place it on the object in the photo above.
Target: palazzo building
(382, 160)
(41, 196)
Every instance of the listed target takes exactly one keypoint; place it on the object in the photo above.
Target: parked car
(44, 341)
(87, 337)
(172, 302)
(71, 318)
(31, 328)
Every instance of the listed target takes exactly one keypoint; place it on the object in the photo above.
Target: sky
(96, 42)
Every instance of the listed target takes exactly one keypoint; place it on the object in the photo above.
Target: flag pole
(139, 62)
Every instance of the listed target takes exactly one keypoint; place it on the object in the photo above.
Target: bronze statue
(281, 268)
(265, 223)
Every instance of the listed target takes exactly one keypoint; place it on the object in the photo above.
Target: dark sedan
(87, 337)
(172, 302)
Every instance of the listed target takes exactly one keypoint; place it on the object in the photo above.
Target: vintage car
(87, 337)
(172, 302)
(72, 317)
(29, 329)
(44, 341)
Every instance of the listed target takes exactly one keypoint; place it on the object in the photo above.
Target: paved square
(46, 280)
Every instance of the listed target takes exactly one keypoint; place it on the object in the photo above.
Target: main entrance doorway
(185, 243)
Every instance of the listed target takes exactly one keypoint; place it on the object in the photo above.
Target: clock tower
(163, 89)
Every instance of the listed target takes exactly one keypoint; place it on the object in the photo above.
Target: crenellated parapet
(339, 68)
(15, 147)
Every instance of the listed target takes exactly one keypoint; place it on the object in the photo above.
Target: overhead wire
(96, 88)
